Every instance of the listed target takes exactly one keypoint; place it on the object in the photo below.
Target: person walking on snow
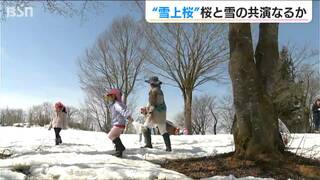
(316, 114)
(155, 113)
(59, 121)
(119, 115)
(138, 125)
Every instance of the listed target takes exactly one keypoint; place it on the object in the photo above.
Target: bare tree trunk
(215, 124)
(256, 132)
(125, 98)
(215, 119)
(188, 110)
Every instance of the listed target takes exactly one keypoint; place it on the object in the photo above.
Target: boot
(59, 140)
(166, 138)
(147, 137)
(119, 147)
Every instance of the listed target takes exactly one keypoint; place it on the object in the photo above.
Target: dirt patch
(22, 168)
(292, 166)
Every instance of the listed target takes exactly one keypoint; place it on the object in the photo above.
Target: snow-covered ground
(86, 155)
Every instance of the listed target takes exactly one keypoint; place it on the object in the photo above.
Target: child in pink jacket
(59, 121)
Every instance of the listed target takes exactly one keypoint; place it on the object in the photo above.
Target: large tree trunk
(188, 110)
(267, 57)
(256, 132)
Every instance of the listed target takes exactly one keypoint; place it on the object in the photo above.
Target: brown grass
(290, 166)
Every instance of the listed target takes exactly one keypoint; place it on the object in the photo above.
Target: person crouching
(59, 121)
(119, 114)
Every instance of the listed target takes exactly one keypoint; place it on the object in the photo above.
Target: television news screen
(159, 89)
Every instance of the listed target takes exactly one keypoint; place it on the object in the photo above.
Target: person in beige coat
(59, 121)
(155, 114)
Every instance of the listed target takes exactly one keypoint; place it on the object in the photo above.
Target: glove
(49, 128)
(143, 111)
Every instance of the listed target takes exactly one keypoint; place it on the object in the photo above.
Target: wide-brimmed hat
(153, 80)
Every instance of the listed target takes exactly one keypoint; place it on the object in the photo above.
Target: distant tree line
(41, 115)
(10, 116)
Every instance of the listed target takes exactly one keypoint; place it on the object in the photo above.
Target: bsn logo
(19, 12)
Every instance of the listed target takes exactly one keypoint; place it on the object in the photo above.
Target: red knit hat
(116, 92)
(58, 105)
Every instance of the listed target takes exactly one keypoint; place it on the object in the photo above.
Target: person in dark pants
(58, 122)
(58, 137)
(316, 114)
(155, 114)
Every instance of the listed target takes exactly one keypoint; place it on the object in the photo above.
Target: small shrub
(22, 168)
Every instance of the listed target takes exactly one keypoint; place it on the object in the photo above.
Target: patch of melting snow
(86, 155)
